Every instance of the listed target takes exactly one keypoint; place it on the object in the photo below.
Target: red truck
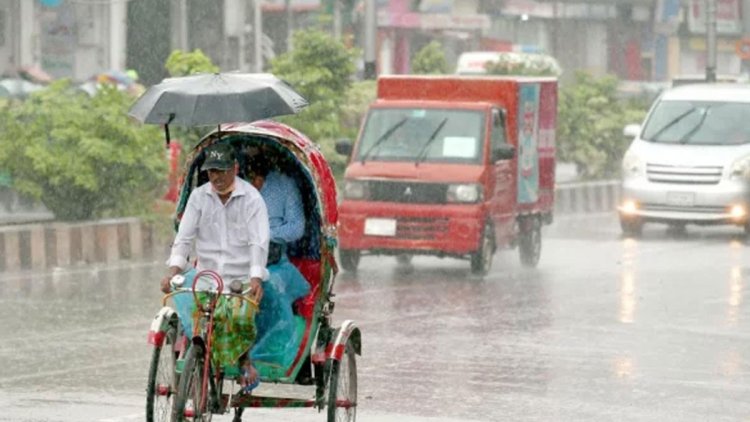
(451, 166)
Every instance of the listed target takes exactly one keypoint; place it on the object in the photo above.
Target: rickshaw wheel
(342, 387)
(162, 379)
(187, 401)
(349, 259)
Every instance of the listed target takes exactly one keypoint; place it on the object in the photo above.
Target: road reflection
(736, 283)
(627, 282)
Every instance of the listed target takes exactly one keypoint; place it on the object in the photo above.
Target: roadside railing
(45, 245)
(587, 197)
(41, 246)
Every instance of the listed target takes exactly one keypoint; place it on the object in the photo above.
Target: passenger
(228, 222)
(277, 341)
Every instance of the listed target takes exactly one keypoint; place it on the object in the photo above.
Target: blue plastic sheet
(277, 336)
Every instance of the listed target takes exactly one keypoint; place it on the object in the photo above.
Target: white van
(690, 161)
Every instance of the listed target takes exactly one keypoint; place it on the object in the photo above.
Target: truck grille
(698, 175)
(407, 192)
(421, 228)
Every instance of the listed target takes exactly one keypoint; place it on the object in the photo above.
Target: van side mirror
(503, 152)
(344, 147)
(632, 130)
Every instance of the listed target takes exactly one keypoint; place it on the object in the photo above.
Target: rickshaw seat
(310, 269)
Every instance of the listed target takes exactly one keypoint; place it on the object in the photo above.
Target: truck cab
(436, 169)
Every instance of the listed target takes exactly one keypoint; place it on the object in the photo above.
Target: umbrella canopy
(117, 77)
(35, 74)
(212, 99)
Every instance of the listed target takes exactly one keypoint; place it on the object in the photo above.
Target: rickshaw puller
(227, 220)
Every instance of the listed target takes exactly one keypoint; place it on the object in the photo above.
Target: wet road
(605, 329)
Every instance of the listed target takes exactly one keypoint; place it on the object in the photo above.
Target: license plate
(380, 227)
(681, 199)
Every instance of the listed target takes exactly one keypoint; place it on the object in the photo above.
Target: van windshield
(422, 135)
(699, 122)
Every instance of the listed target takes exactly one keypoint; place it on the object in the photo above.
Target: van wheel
(349, 259)
(631, 227)
(404, 259)
(481, 260)
(530, 244)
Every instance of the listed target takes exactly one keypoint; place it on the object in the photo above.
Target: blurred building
(646, 40)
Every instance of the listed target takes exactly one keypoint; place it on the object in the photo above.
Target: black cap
(219, 157)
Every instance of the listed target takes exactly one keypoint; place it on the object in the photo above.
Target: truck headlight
(632, 165)
(355, 189)
(741, 168)
(464, 193)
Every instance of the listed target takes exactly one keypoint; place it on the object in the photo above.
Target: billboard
(728, 17)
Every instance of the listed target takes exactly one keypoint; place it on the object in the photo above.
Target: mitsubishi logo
(407, 191)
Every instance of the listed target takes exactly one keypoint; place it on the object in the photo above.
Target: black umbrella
(212, 99)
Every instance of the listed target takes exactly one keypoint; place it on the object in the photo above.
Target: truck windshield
(699, 122)
(424, 135)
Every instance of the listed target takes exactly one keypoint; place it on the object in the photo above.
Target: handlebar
(178, 280)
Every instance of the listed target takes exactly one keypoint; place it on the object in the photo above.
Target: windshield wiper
(671, 123)
(695, 128)
(423, 151)
(387, 134)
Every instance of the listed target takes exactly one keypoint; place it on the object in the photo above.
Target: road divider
(586, 197)
(40, 246)
(47, 245)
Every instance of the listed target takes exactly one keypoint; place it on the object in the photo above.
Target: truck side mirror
(503, 152)
(632, 130)
(344, 147)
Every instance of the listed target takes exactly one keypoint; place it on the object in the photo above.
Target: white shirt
(231, 239)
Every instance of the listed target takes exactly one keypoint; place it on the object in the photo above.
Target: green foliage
(82, 156)
(320, 68)
(430, 60)
(180, 63)
(590, 122)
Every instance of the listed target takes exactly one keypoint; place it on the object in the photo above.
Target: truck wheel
(349, 259)
(481, 260)
(631, 227)
(530, 244)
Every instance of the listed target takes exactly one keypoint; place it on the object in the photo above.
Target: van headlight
(740, 168)
(632, 165)
(467, 193)
(355, 189)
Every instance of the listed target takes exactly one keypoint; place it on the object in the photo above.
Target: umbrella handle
(166, 129)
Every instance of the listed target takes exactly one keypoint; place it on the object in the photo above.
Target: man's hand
(256, 289)
(165, 286)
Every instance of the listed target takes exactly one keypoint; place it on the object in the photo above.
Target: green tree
(181, 63)
(320, 68)
(591, 118)
(82, 156)
(430, 60)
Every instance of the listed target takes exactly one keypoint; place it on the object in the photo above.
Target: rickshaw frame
(323, 346)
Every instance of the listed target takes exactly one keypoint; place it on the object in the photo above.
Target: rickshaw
(182, 384)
